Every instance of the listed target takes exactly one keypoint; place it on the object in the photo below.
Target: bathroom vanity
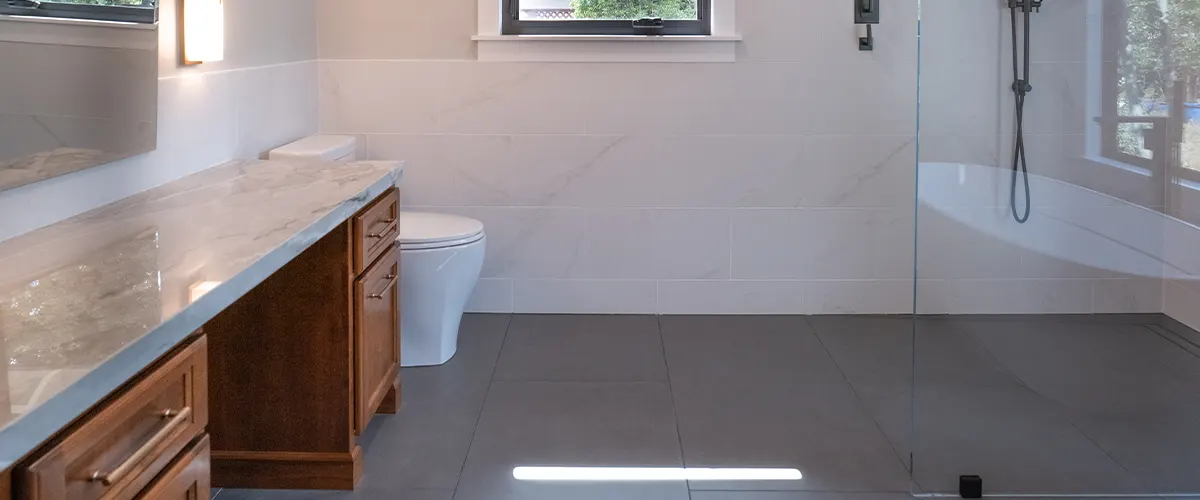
(238, 327)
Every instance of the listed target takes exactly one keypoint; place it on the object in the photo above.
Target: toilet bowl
(440, 260)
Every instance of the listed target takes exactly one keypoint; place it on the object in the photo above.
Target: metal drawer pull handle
(391, 225)
(175, 420)
(391, 280)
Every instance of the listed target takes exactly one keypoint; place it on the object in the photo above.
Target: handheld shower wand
(1021, 88)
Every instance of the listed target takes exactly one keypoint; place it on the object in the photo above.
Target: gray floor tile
(572, 424)
(418, 448)
(364, 492)
(426, 443)
(777, 350)
(460, 384)
(1104, 370)
(796, 495)
(582, 348)
(881, 351)
(762, 392)
(1161, 450)
(1018, 441)
(1130, 391)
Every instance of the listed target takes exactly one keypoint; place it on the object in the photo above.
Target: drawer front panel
(186, 479)
(375, 230)
(121, 447)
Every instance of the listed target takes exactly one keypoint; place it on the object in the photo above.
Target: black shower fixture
(1022, 23)
(1035, 5)
(866, 12)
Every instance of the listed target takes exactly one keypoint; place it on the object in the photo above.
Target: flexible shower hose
(1021, 87)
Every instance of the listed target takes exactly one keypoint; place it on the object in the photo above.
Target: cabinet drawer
(375, 230)
(119, 448)
(186, 479)
(376, 336)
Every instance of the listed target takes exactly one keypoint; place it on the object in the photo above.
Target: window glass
(583, 10)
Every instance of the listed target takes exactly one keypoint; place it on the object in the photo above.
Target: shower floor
(1034, 404)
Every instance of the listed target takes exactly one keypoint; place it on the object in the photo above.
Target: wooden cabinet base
(285, 470)
(391, 401)
(299, 365)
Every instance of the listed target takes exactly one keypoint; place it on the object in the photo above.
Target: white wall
(778, 184)
(261, 96)
(783, 183)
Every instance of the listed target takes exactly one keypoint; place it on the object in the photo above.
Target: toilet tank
(334, 148)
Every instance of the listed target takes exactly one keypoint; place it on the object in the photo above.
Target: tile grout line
(479, 417)
(1053, 402)
(861, 403)
(674, 411)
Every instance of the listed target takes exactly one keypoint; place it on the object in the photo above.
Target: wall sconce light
(203, 26)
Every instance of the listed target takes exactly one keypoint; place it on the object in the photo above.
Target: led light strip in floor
(652, 474)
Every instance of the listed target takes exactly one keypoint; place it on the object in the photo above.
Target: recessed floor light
(653, 474)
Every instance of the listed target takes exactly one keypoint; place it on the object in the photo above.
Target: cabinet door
(186, 479)
(377, 335)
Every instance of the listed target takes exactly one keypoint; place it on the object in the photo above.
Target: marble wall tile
(585, 171)
(804, 244)
(1179, 302)
(374, 29)
(1129, 295)
(492, 296)
(1000, 296)
(733, 297)
(586, 296)
(275, 106)
(691, 244)
(854, 296)
(378, 97)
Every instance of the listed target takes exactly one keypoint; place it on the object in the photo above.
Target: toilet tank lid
(317, 147)
(423, 227)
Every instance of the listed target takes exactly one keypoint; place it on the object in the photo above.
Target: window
(133, 11)
(1150, 96)
(607, 17)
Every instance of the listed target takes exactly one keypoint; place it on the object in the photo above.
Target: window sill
(77, 22)
(78, 32)
(591, 48)
(1108, 162)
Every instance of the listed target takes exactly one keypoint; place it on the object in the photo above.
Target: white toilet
(440, 260)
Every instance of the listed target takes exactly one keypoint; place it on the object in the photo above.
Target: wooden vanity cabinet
(188, 478)
(132, 441)
(301, 362)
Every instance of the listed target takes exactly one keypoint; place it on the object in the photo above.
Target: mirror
(75, 94)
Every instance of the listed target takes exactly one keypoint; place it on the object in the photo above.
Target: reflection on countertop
(87, 303)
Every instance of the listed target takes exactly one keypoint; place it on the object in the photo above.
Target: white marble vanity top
(87, 303)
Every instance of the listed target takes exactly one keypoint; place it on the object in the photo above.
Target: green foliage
(634, 9)
(1162, 45)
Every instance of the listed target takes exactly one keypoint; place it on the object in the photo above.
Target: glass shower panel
(1054, 228)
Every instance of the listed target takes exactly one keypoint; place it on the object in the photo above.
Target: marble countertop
(89, 302)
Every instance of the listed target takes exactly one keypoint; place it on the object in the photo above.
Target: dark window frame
(116, 13)
(514, 25)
